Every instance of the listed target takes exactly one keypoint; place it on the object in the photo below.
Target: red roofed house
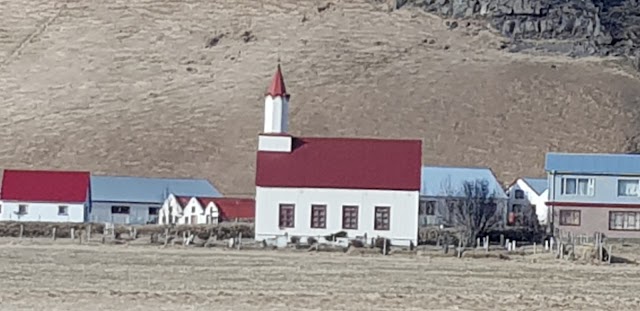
(317, 186)
(48, 196)
(205, 210)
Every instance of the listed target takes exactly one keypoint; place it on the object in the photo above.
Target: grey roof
(147, 190)
(539, 185)
(442, 180)
(593, 163)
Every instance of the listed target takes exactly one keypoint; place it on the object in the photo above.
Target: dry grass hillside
(142, 87)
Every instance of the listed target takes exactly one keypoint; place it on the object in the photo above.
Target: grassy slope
(128, 87)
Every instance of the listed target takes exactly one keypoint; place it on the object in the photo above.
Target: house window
(193, 210)
(427, 208)
(569, 218)
(22, 209)
(116, 209)
(382, 218)
(153, 210)
(287, 215)
(63, 210)
(318, 216)
(519, 194)
(624, 221)
(628, 187)
(350, 217)
(578, 186)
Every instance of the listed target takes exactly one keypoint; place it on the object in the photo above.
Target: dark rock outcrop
(573, 27)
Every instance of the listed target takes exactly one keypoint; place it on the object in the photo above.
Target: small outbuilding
(47, 196)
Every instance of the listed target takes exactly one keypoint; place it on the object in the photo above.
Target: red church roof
(343, 163)
(45, 186)
(232, 208)
(277, 87)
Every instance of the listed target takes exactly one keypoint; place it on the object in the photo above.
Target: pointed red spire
(277, 87)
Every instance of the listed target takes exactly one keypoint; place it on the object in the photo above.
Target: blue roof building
(439, 184)
(596, 192)
(136, 200)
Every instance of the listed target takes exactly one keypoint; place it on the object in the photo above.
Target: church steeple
(277, 87)
(276, 106)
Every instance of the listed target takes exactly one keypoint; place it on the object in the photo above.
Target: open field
(39, 276)
(140, 87)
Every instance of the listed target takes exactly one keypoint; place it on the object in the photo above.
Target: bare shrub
(473, 211)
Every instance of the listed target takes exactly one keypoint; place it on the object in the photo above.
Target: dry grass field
(41, 276)
(139, 87)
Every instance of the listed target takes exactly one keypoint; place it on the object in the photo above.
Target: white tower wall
(276, 115)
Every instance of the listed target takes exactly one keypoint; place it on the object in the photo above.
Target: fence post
(600, 250)
(21, 230)
(89, 234)
(384, 247)
(239, 240)
(609, 257)
(53, 233)
(73, 233)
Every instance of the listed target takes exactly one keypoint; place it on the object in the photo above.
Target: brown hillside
(130, 87)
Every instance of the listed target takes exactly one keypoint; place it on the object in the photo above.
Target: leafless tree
(472, 210)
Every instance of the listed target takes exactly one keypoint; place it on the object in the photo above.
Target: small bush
(311, 240)
(295, 239)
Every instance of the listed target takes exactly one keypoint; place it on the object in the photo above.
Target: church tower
(275, 135)
(276, 106)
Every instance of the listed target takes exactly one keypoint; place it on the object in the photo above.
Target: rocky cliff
(573, 27)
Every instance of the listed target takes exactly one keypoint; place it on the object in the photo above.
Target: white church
(315, 186)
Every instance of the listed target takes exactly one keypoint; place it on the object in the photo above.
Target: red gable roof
(232, 208)
(277, 87)
(347, 163)
(45, 186)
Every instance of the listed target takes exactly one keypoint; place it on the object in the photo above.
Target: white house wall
(45, 212)
(403, 212)
(531, 198)
(169, 211)
(193, 213)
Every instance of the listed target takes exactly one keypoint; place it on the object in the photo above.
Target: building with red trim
(591, 193)
(186, 210)
(47, 196)
(315, 186)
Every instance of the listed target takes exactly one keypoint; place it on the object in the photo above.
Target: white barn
(530, 193)
(313, 187)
